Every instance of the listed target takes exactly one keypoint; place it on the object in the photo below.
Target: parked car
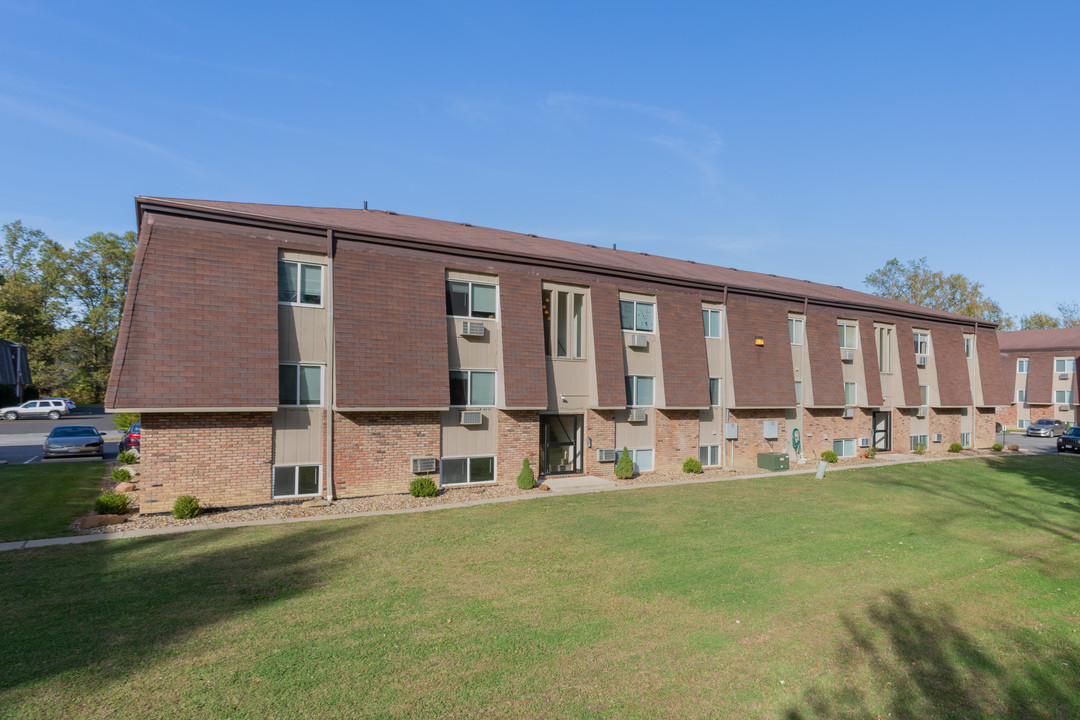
(1070, 440)
(1046, 428)
(52, 409)
(130, 440)
(66, 440)
(67, 401)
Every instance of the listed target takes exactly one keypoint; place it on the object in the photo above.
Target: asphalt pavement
(21, 440)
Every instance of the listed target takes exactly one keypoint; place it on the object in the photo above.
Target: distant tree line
(65, 306)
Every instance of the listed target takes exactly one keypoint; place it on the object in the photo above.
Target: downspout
(974, 414)
(723, 394)
(331, 384)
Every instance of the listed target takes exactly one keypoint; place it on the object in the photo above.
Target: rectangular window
(965, 439)
(472, 388)
(795, 330)
(466, 471)
(798, 392)
(639, 391)
(299, 283)
(1064, 365)
(295, 480)
(711, 320)
(844, 448)
(1022, 365)
(469, 299)
(643, 459)
(1063, 396)
(300, 385)
(714, 391)
(969, 345)
(848, 336)
(924, 395)
(1021, 396)
(564, 323)
(709, 455)
(917, 440)
(851, 393)
(636, 316)
(1022, 424)
(922, 343)
(884, 349)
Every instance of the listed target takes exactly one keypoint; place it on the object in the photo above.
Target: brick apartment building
(281, 352)
(1040, 371)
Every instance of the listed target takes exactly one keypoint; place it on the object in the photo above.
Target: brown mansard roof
(539, 250)
(1049, 339)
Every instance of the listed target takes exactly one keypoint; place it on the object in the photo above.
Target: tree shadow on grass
(104, 610)
(921, 664)
(1056, 474)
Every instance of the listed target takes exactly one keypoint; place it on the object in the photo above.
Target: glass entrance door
(883, 431)
(560, 444)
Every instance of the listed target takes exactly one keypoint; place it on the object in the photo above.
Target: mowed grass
(946, 589)
(40, 501)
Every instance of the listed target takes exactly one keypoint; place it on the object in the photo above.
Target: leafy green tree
(1070, 314)
(1039, 321)
(917, 283)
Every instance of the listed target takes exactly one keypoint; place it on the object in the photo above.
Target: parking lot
(21, 440)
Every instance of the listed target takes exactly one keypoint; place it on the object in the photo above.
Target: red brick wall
(224, 459)
(600, 427)
(823, 425)
(677, 434)
(373, 451)
(751, 435)
(519, 438)
(985, 433)
(947, 422)
(1041, 412)
(1007, 416)
(901, 430)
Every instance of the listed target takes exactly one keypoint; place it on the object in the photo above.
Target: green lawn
(928, 590)
(40, 501)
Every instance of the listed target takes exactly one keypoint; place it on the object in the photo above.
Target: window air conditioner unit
(864, 442)
(847, 355)
(920, 360)
(849, 412)
(1063, 376)
(639, 341)
(471, 417)
(607, 455)
(920, 412)
(638, 415)
(472, 329)
(424, 464)
(1063, 407)
(936, 437)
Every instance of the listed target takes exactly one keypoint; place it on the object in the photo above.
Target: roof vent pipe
(365, 204)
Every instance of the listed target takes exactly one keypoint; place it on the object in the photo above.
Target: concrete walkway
(567, 486)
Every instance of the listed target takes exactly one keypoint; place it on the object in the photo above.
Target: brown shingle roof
(387, 224)
(1050, 339)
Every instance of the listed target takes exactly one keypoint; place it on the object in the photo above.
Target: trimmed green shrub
(112, 503)
(692, 465)
(625, 467)
(997, 447)
(127, 457)
(423, 486)
(122, 421)
(872, 452)
(526, 479)
(186, 507)
(829, 456)
(121, 475)
(956, 447)
(919, 449)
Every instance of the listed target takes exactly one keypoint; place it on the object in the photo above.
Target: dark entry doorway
(560, 444)
(882, 431)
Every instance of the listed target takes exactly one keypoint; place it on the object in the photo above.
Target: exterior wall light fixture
(759, 341)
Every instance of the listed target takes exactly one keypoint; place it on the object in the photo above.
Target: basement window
(467, 471)
(844, 448)
(296, 480)
(709, 455)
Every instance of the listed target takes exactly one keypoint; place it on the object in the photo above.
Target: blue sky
(814, 140)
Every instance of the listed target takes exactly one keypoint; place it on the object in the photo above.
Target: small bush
(625, 467)
(121, 475)
(829, 456)
(872, 452)
(997, 447)
(956, 447)
(692, 465)
(186, 507)
(112, 503)
(423, 486)
(919, 449)
(526, 480)
(127, 457)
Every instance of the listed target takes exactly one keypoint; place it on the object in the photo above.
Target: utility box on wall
(731, 431)
(773, 461)
(771, 429)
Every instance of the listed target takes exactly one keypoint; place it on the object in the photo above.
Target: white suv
(52, 409)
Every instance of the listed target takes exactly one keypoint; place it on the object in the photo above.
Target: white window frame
(798, 393)
(854, 400)
(845, 444)
(1063, 397)
(634, 456)
(632, 396)
(1021, 395)
(322, 283)
(884, 348)
(707, 315)
(965, 439)
(969, 346)
(924, 343)
(296, 480)
(1022, 424)
(469, 388)
(322, 383)
(711, 455)
(854, 335)
(923, 440)
(576, 330)
(795, 329)
(1022, 365)
(468, 470)
(924, 395)
(635, 303)
(1065, 365)
(471, 284)
(715, 388)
